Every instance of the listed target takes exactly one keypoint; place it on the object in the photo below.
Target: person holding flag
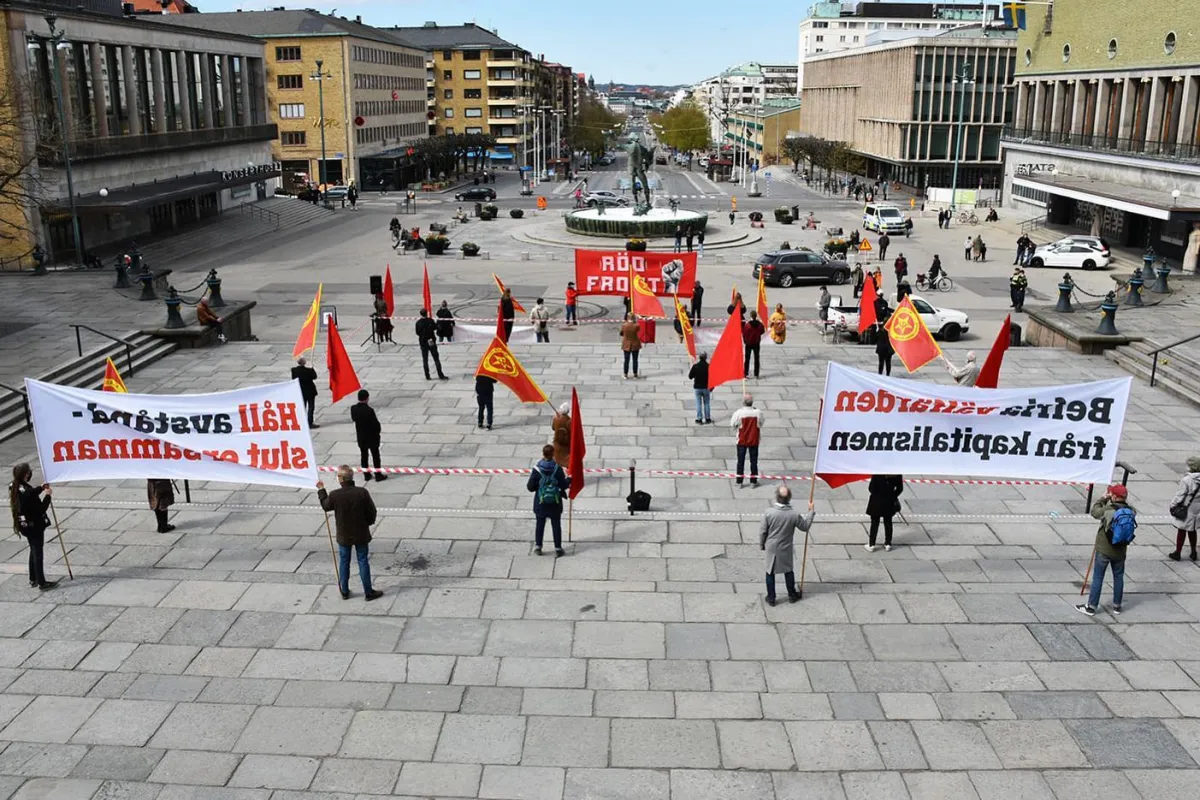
(307, 340)
(752, 333)
(910, 338)
(699, 377)
(307, 377)
(499, 363)
(761, 307)
(683, 324)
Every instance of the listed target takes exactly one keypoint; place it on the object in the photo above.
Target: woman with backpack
(1185, 508)
(1118, 521)
(549, 484)
(29, 508)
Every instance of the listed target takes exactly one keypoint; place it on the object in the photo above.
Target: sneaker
(1193, 556)
(1083, 608)
(537, 551)
(794, 598)
(699, 422)
(771, 601)
(221, 338)
(374, 594)
(380, 477)
(887, 548)
(489, 427)
(710, 422)
(47, 585)
(870, 548)
(1116, 610)
(559, 552)
(1174, 556)
(167, 529)
(369, 476)
(345, 595)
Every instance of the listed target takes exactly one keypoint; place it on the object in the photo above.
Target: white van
(883, 218)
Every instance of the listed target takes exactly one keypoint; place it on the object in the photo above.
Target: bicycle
(942, 284)
(967, 217)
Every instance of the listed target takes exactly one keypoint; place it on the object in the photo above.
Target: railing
(257, 212)
(1033, 224)
(115, 146)
(24, 403)
(128, 344)
(1154, 354)
(1168, 151)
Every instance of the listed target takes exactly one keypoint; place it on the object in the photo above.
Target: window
(471, 74)
(292, 138)
(447, 55)
(449, 131)
(290, 81)
(447, 75)
(447, 94)
(472, 94)
(287, 53)
(1169, 43)
(291, 110)
(1066, 53)
(820, 24)
(473, 112)
(922, 307)
(1112, 48)
(470, 55)
(1028, 56)
(473, 130)
(820, 38)
(448, 113)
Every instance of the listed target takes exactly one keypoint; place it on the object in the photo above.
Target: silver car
(605, 198)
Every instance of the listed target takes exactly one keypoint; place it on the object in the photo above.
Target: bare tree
(22, 186)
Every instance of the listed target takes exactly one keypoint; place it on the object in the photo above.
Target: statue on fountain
(640, 157)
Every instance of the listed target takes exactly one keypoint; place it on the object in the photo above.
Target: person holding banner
(161, 495)
(354, 513)
(883, 504)
(29, 520)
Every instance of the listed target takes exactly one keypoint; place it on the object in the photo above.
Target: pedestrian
(307, 376)
(883, 350)
(485, 391)
(572, 300)
(549, 484)
(1118, 521)
(1023, 243)
(631, 344)
(352, 196)
(976, 243)
(426, 330)
(29, 520)
(697, 300)
(1185, 509)
(908, 226)
(678, 326)
(445, 323)
(507, 313)
(901, 267)
(903, 290)
(732, 216)
(540, 318)
(700, 243)
(1017, 284)
(678, 238)
(560, 430)
(778, 324)
(161, 494)
(381, 319)
(691, 237)
(859, 277)
(942, 218)
(979, 247)
(884, 241)
(935, 270)
(748, 421)
(776, 533)
(39, 257)
(366, 432)
(967, 247)
(823, 302)
(738, 304)
(752, 333)
(967, 374)
(699, 377)
(883, 503)
(353, 513)
(208, 319)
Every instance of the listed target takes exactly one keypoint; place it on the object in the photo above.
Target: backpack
(1121, 529)
(548, 492)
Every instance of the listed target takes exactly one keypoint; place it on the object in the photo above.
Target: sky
(662, 42)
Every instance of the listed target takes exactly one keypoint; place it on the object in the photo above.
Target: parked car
(605, 160)
(787, 267)
(476, 193)
(944, 323)
(703, 162)
(1072, 254)
(337, 192)
(603, 197)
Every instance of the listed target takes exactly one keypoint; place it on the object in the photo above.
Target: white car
(1071, 254)
(944, 323)
(603, 197)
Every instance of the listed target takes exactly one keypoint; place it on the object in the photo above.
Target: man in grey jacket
(779, 525)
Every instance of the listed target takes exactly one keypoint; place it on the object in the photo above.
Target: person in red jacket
(572, 298)
(752, 333)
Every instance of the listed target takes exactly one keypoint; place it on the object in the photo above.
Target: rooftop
(283, 22)
(969, 35)
(432, 36)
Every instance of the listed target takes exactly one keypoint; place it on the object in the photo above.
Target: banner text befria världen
(872, 424)
(253, 435)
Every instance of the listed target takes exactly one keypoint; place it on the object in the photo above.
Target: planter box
(470, 251)
(435, 248)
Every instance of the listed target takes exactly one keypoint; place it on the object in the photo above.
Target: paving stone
(481, 739)
(444, 636)
(996, 643)
(737, 676)
(973, 706)
(824, 643)
(50, 719)
(255, 691)
(911, 643)
(1139, 704)
(363, 776)
(444, 779)
(117, 763)
(1156, 675)
(558, 702)
(871, 785)
(295, 731)
(387, 667)
(1095, 676)
(978, 676)
(619, 640)
(566, 742)
(58, 788)
(825, 677)
(274, 772)
(681, 675)
(529, 638)
(644, 607)
(256, 629)
(937, 785)
(717, 705)
(123, 722)
(1129, 743)
(616, 784)
(855, 705)
(476, 671)
(1056, 705)
(364, 634)
(563, 673)
(955, 745)
(696, 641)
(726, 785)
(874, 676)
(298, 665)
(1166, 784)
(634, 704)
(195, 767)
(399, 735)
(1028, 744)
(897, 745)
(33, 760)
(418, 697)
(664, 743)
(1089, 785)
(833, 746)
(1058, 643)
(620, 673)
(810, 785)
(522, 783)
(909, 705)
(754, 745)
(1007, 784)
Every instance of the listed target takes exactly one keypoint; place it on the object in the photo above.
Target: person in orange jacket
(572, 297)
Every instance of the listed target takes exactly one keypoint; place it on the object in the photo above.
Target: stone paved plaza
(219, 661)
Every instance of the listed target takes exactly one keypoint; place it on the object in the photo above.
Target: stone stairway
(1178, 369)
(86, 372)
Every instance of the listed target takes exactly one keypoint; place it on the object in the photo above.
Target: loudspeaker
(638, 501)
(376, 285)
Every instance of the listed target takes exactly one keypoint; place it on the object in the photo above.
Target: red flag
(389, 295)
(866, 306)
(685, 324)
(499, 363)
(307, 339)
(989, 375)
(726, 363)
(911, 339)
(644, 303)
(112, 378)
(578, 448)
(342, 379)
(763, 314)
(500, 324)
(500, 285)
(426, 296)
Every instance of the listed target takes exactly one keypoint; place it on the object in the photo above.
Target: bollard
(147, 279)
(122, 275)
(1134, 296)
(173, 301)
(214, 290)
(1108, 318)
(1064, 298)
(1148, 261)
(1162, 271)
(135, 257)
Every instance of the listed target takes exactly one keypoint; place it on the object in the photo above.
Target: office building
(760, 131)
(743, 85)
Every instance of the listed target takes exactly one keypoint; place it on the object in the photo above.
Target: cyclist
(935, 271)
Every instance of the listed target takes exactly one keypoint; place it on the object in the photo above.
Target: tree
(590, 132)
(24, 137)
(794, 148)
(684, 127)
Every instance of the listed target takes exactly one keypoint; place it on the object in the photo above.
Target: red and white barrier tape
(525, 321)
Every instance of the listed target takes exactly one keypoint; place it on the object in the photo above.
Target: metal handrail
(24, 403)
(1033, 223)
(1154, 354)
(128, 344)
(272, 217)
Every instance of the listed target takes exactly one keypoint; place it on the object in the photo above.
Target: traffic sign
(865, 246)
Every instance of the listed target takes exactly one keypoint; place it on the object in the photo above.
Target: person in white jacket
(967, 374)
(540, 317)
(1187, 500)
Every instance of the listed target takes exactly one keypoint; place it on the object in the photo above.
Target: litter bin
(796, 212)
(478, 209)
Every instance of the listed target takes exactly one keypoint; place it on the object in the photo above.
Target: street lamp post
(963, 82)
(320, 77)
(53, 41)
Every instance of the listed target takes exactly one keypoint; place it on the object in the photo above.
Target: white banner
(871, 424)
(255, 435)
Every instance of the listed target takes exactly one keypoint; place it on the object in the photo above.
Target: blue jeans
(1103, 562)
(364, 567)
(571, 314)
(703, 404)
(634, 354)
(789, 578)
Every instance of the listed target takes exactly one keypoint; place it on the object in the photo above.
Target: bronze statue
(640, 157)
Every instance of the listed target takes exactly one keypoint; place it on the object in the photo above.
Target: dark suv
(786, 267)
(476, 193)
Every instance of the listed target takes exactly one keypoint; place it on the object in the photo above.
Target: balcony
(122, 146)
(506, 101)
(1144, 148)
(509, 140)
(506, 63)
(510, 121)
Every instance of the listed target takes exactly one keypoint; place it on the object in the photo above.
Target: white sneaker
(221, 338)
(870, 548)
(887, 548)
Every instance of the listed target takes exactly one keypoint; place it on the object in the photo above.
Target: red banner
(607, 271)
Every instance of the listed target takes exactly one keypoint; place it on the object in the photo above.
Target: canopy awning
(1111, 194)
(157, 192)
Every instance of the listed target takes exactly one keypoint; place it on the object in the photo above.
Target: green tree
(590, 133)
(794, 148)
(684, 127)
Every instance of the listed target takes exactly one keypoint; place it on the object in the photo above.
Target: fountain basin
(621, 223)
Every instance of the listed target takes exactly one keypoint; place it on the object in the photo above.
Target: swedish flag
(1014, 15)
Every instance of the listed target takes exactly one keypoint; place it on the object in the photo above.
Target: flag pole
(332, 552)
(66, 560)
(812, 490)
(570, 518)
(1087, 575)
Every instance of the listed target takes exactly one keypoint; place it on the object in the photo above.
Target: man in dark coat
(485, 391)
(883, 504)
(445, 323)
(427, 337)
(308, 388)
(775, 534)
(354, 514)
(161, 495)
(366, 431)
(697, 300)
